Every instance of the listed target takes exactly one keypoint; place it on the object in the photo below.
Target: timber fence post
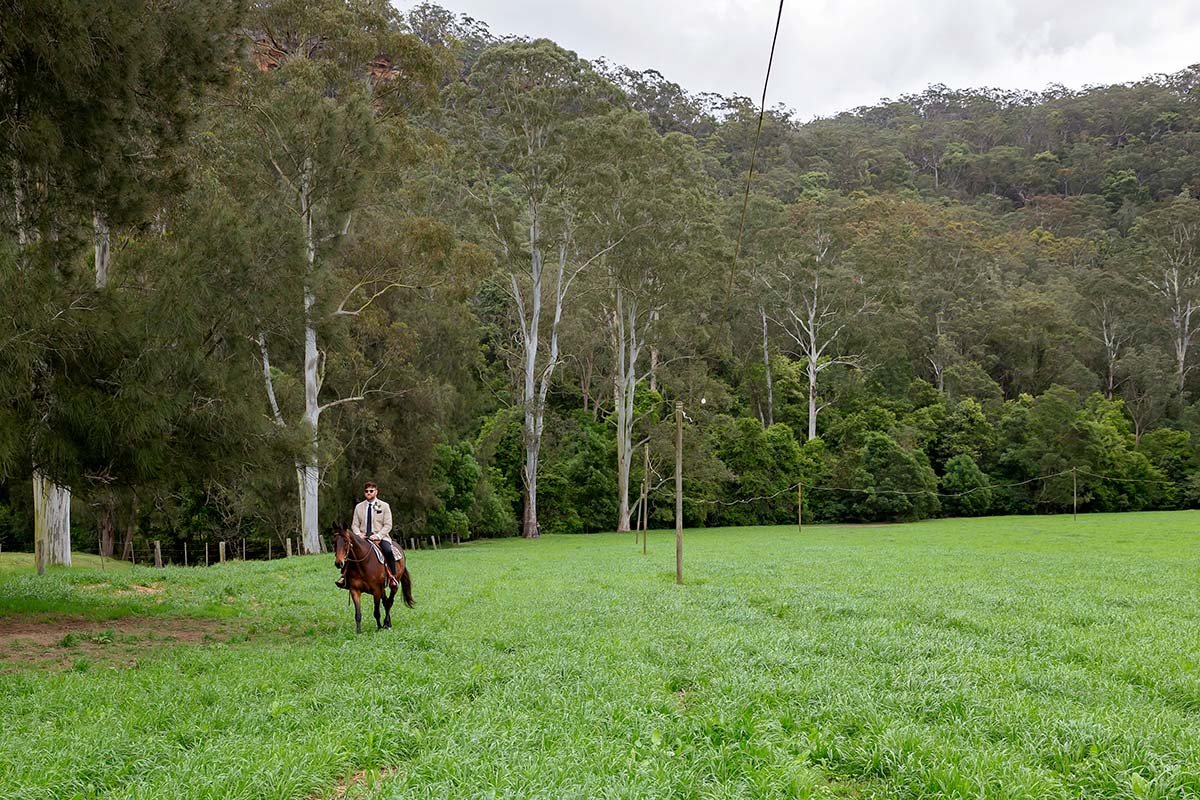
(679, 492)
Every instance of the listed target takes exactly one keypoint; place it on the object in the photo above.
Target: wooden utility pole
(679, 492)
(157, 554)
(221, 550)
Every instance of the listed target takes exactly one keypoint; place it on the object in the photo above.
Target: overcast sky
(834, 55)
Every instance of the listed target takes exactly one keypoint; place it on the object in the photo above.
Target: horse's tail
(406, 585)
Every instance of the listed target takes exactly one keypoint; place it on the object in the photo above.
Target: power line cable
(762, 110)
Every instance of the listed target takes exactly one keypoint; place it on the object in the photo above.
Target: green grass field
(1031, 657)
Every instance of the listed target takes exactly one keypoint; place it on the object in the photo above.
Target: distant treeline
(303, 247)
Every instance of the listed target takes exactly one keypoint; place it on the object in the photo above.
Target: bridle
(349, 557)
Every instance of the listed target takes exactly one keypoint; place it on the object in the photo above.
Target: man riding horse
(373, 520)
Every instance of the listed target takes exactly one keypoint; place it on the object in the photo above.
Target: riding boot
(391, 565)
(341, 582)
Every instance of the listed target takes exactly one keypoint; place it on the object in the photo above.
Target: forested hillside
(254, 259)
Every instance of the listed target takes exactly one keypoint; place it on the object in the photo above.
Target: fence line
(929, 492)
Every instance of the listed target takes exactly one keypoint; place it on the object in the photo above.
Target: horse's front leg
(356, 596)
(378, 624)
(388, 599)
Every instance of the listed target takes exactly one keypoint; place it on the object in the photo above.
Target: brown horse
(365, 575)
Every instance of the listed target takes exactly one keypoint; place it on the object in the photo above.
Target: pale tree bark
(770, 419)
(536, 382)
(530, 313)
(106, 507)
(51, 522)
(308, 470)
(937, 357)
(630, 326)
(537, 370)
(1178, 284)
(307, 466)
(102, 242)
(815, 326)
(1114, 341)
(1178, 289)
(51, 500)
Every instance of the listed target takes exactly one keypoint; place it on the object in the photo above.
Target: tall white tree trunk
(530, 333)
(308, 471)
(1114, 342)
(813, 371)
(1178, 289)
(770, 420)
(815, 330)
(102, 239)
(106, 508)
(1179, 285)
(625, 320)
(51, 522)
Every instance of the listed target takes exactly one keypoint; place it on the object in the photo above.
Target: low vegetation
(999, 657)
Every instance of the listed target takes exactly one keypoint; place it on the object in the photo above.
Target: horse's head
(341, 544)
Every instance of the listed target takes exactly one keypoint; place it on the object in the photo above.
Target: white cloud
(834, 56)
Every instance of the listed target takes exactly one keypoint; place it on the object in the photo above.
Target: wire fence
(929, 492)
(142, 550)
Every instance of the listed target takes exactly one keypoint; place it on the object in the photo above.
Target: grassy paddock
(1030, 657)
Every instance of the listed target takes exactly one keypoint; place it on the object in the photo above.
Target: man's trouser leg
(390, 557)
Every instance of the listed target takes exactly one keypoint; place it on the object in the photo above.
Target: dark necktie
(368, 520)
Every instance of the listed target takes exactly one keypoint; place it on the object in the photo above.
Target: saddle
(392, 577)
(378, 552)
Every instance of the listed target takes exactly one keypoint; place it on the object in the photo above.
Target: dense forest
(256, 254)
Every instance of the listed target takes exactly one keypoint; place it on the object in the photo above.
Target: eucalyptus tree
(94, 97)
(762, 235)
(511, 118)
(818, 294)
(648, 209)
(1169, 243)
(318, 105)
(942, 251)
(1110, 307)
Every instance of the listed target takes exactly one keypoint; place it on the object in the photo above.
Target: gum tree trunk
(51, 523)
(308, 473)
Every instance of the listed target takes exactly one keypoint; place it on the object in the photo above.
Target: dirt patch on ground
(61, 640)
(359, 780)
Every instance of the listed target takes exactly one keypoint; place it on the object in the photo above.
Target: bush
(964, 477)
(894, 484)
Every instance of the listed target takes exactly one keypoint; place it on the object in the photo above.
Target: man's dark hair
(370, 485)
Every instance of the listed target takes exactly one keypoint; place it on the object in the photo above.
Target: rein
(350, 549)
